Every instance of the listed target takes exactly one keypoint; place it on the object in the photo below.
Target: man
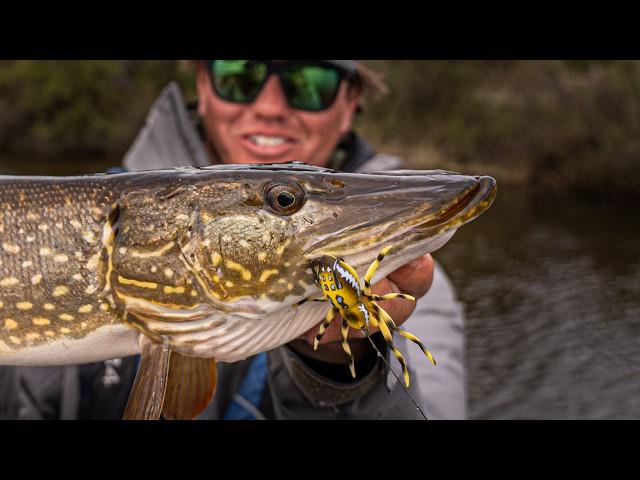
(270, 112)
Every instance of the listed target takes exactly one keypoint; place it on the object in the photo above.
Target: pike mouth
(412, 232)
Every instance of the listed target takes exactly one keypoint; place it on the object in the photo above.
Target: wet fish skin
(199, 255)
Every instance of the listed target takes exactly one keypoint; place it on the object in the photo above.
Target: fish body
(207, 263)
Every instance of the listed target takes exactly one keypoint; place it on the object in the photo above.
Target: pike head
(228, 249)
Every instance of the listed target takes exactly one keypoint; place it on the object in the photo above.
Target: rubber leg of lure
(346, 348)
(327, 321)
(391, 296)
(305, 300)
(373, 267)
(387, 318)
(386, 333)
(417, 341)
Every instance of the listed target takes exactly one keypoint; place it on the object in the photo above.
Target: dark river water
(552, 295)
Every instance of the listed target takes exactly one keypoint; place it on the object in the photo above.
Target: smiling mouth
(267, 140)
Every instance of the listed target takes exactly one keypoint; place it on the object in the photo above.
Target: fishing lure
(357, 305)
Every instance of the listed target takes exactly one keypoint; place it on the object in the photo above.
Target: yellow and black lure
(357, 305)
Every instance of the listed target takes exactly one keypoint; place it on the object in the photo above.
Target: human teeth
(265, 141)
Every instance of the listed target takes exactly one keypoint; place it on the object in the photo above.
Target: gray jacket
(296, 389)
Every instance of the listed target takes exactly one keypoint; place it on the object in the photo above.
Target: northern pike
(190, 266)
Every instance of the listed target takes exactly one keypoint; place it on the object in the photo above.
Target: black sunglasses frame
(278, 68)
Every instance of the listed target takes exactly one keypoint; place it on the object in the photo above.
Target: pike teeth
(266, 141)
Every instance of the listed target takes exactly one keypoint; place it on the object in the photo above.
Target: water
(552, 295)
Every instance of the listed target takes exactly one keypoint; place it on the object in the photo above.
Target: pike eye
(285, 199)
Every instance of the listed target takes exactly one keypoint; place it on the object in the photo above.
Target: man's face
(268, 130)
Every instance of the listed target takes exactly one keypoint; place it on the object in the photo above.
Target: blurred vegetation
(550, 126)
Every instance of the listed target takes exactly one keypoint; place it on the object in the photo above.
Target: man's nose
(271, 103)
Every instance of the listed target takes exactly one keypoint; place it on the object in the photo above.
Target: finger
(416, 277)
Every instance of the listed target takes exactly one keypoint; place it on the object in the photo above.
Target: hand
(414, 278)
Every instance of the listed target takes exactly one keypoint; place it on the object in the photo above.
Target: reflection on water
(553, 303)
(553, 308)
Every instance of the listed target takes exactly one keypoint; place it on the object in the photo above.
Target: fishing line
(394, 374)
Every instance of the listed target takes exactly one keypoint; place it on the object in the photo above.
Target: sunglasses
(310, 86)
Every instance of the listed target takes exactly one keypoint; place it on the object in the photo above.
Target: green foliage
(549, 125)
(79, 107)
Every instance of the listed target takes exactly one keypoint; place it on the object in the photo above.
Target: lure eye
(285, 199)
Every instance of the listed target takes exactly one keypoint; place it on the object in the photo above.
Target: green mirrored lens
(238, 80)
(311, 87)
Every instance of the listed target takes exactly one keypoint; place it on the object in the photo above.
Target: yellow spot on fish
(24, 305)
(10, 248)
(77, 276)
(85, 309)
(36, 279)
(231, 265)
(122, 250)
(49, 306)
(32, 336)
(104, 306)
(30, 238)
(89, 236)
(41, 321)
(27, 264)
(15, 340)
(83, 325)
(92, 264)
(76, 224)
(64, 330)
(66, 317)
(154, 269)
(266, 274)
(216, 258)
(45, 252)
(61, 258)
(168, 272)
(156, 253)
(9, 282)
(137, 283)
(49, 333)
(10, 324)
(60, 290)
(282, 247)
(287, 264)
(290, 286)
(229, 284)
(168, 289)
(194, 293)
(1, 304)
(90, 289)
(43, 227)
(262, 256)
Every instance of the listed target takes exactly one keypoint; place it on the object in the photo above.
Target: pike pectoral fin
(147, 396)
(190, 386)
